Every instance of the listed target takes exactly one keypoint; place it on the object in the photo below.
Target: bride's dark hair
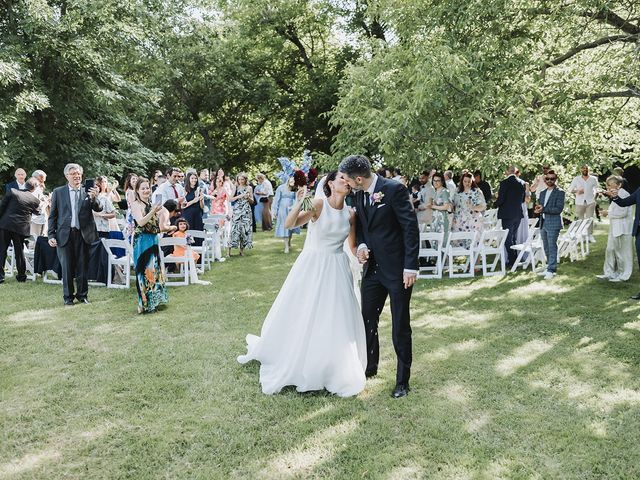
(325, 187)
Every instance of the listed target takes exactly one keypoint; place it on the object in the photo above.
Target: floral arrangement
(299, 177)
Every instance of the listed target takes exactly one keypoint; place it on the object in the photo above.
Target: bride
(313, 336)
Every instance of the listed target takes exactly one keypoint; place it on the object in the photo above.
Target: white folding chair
(568, 241)
(29, 257)
(431, 244)
(492, 243)
(10, 263)
(530, 253)
(217, 236)
(182, 261)
(461, 244)
(115, 262)
(583, 236)
(490, 218)
(203, 250)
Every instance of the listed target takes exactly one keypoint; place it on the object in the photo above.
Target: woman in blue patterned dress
(282, 203)
(440, 203)
(146, 254)
(469, 206)
(241, 234)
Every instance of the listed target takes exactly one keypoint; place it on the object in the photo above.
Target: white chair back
(461, 244)
(431, 244)
(121, 264)
(179, 261)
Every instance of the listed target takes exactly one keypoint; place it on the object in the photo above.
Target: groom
(388, 242)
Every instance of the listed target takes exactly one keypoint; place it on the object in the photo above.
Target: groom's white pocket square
(381, 205)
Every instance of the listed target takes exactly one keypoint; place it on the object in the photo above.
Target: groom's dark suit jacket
(389, 228)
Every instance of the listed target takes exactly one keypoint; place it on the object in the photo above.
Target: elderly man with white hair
(72, 230)
(20, 181)
(39, 221)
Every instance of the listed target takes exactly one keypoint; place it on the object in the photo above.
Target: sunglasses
(550, 179)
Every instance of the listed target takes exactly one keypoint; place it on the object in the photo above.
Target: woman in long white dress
(313, 337)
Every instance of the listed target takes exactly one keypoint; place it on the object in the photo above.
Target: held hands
(537, 208)
(53, 242)
(363, 255)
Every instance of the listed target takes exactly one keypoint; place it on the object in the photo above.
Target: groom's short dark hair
(356, 166)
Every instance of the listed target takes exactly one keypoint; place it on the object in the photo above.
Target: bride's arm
(297, 217)
(352, 233)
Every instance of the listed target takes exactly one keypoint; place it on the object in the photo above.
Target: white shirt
(426, 192)
(590, 187)
(267, 188)
(167, 192)
(451, 186)
(41, 218)
(620, 218)
(546, 198)
(72, 197)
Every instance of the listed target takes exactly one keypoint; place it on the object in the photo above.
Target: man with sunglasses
(549, 207)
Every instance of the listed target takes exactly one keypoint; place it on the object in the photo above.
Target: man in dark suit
(549, 206)
(19, 183)
(72, 230)
(388, 241)
(15, 223)
(509, 202)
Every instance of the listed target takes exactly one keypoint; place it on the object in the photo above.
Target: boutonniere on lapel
(377, 197)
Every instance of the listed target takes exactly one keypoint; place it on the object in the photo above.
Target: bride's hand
(301, 193)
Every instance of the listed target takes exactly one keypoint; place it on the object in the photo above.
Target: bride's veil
(320, 188)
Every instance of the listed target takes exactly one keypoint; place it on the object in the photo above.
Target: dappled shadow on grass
(512, 377)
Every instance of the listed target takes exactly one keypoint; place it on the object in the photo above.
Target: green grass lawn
(513, 378)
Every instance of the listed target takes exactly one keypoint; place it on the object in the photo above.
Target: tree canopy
(124, 85)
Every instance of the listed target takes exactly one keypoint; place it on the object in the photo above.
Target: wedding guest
(204, 185)
(266, 201)
(193, 206)
(168, 211)
(178, 250)
(469, 205)
(261, 197)
(129, 186)
(72, 230)
(38, 226)
(426, 193)
(585, 187)
(619, 172)
(440, 204)
(450, 184)
(484, 186)
(172, 189)
(155, 180)
(550, 205)
(523, 229)
(220, 204)
(618, 259)
(283, 201)
(19, 182)
(509, 202)
(539, 184)
(633, 199)
(150, 280)
(107, 210)
(241, 233)
(16, 209)
(114, 196)
(181, 176)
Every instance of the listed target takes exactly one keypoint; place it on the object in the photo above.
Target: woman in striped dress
(241, 234)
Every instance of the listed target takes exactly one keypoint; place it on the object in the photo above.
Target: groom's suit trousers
(375, 290)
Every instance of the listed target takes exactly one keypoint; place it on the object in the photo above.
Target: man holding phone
(72, 230)
(549, 207)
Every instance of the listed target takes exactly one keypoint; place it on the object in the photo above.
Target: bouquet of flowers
(300, 180)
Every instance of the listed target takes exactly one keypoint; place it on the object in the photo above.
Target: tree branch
(289, 32)
(631, 92)
(615, 20)
(585, 46)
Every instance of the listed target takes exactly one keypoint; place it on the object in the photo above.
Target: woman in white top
(107, 211)
(618, 259)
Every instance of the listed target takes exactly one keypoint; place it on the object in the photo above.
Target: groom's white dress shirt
(370, 190)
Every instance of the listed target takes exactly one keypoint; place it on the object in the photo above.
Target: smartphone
(89, 183)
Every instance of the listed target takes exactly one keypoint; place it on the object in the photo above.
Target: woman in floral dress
(440, 203)
(241, 234)
(469, 205)
(150, 281)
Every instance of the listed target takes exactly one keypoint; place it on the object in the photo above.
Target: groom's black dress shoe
(400, 391)
(636, 297)
(370, 373)
(68, 303)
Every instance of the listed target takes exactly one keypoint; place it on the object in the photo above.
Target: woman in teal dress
(440, 203)
(150, 281)
(282, 203)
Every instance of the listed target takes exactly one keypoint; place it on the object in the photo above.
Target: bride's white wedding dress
(313, 336)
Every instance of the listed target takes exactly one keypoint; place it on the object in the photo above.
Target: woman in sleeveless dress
(241, 233)
(313, 337)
